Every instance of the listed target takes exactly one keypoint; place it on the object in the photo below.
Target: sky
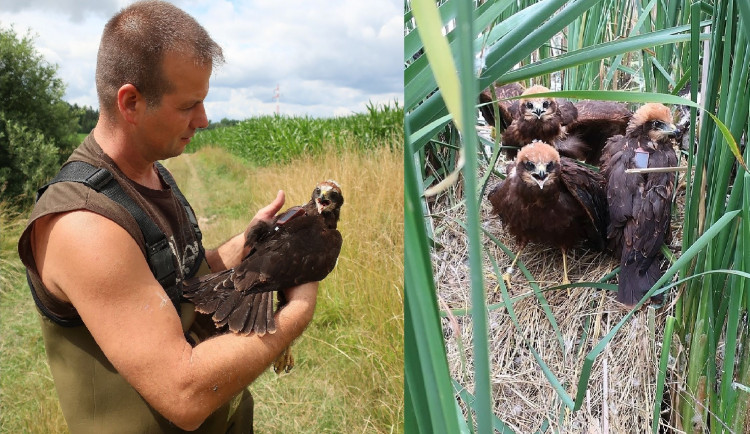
(328, 57)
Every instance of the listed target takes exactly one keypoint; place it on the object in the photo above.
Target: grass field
(349, 363)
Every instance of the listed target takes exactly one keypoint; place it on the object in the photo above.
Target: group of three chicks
(570, 180)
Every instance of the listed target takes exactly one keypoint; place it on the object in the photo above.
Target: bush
(37, 128)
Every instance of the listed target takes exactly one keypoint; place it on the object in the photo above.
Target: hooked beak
(538, 112)
(540, 176)
(322, 202)
(670, 130)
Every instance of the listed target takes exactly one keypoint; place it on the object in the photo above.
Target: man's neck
(119, 146)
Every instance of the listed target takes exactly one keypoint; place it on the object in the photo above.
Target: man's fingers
(270, 210)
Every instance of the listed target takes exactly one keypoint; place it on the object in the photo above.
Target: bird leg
(285, 361)
(565, 281)
(509, 270)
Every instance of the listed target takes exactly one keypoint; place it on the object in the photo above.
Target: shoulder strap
(188, 209)
(158, 252)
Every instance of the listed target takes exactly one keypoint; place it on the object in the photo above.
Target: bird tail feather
(636, 280)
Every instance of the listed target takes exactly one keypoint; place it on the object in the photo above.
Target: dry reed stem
(622, 385)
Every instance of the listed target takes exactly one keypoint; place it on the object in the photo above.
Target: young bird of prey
(551, 200)
(538, 119)
(300, 245)
(640, 204)
(577, 130)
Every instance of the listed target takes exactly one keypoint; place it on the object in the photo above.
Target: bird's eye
(550, 166)
(658, 124)
(528, 165)
(545, 105)
(529, 105)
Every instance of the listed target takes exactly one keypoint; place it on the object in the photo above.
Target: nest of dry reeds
(621, 390)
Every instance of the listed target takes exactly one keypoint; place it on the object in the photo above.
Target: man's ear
(130, 102)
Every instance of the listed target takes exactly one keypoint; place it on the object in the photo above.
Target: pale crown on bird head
(538, 163)
(537, 108)
(653, 119)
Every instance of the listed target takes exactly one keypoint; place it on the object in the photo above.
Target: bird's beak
(322, 202)
(670, 130)
(538, 111)
(540, 176)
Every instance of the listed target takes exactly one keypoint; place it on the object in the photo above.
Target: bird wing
(588, 188)
(652, 211)
(508, 110)
(621, 190)
(301, 250)
(596, 122)
(568, 112)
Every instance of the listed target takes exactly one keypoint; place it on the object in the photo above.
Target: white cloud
(327, 56)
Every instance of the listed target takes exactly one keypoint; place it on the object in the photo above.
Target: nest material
(621, 389)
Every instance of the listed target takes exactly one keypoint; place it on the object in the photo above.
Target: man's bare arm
(96, 265)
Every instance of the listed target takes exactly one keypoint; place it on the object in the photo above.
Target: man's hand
(229, 254)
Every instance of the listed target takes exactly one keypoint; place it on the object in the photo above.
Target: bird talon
(506, 279)
(284, 362)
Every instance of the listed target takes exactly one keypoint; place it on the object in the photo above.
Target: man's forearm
(215, 379)
(227, 255)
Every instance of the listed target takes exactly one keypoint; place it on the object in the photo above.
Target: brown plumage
(508, 110)
(640, 204)
(300, 245)
(551, 200)
(538, 119)
(577, 130)
(596, 121)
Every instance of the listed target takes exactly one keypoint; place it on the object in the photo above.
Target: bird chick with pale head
(551, 200)
(640, 204)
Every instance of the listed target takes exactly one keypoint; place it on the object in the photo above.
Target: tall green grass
(279, 139)
(642, 46)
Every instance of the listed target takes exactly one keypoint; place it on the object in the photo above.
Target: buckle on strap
(99, 179)
(161, 263)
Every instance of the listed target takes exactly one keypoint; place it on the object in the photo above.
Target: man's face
(167, 128)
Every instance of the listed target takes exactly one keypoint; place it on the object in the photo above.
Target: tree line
(38, 129)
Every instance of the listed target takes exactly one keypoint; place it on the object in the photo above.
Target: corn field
(692, 56)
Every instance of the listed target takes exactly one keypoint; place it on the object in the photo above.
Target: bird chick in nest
(640, 204)
(551, 200)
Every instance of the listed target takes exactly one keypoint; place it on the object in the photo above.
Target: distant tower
(276, 95)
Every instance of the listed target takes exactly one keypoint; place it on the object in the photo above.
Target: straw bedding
(621, 390)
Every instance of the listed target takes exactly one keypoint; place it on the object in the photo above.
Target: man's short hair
(134, 44)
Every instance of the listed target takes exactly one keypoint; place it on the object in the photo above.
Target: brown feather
(562, 212)
(506, 109)
(297, 247)
(596, 122)
(539, 119)
(640, 204)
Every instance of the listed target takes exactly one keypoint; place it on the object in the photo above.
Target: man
(115, 342)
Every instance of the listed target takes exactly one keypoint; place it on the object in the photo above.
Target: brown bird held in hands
(551, 200)
(640, 203)
(299, 246)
